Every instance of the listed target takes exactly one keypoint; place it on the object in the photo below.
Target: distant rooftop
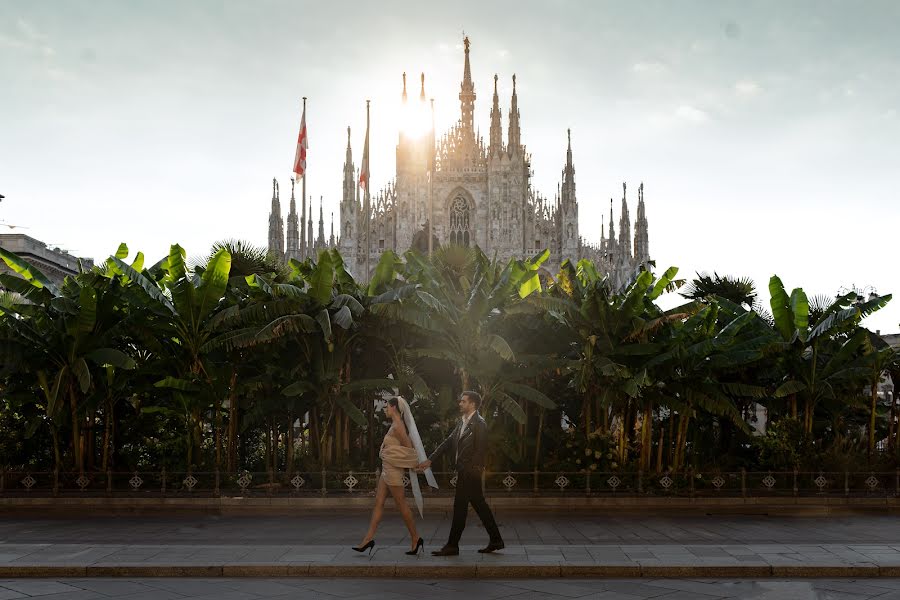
(56, 264)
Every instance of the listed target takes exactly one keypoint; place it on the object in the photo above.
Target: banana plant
(820, 354)
(64, 331)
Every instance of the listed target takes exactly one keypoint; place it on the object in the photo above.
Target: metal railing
(688, 483)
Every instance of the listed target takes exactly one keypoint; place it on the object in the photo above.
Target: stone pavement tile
(152, 595)
(476, 589)
(681, 595)
(850, 586)
(188, 585)
(6, 594)
(263, 587)
(529, 595)
(575, 589)
(227, 595)
(76, 595)
(612, 595)
(704, 550)
(768, 548)
(110, 587)
(634, 588)
(38, 587)
(700, 588)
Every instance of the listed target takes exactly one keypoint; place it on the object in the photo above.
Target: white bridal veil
(420, 452)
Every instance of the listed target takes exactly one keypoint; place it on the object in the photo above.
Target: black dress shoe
(492, 547)
(446, 551)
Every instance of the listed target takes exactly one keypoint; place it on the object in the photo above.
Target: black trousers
(468, 491)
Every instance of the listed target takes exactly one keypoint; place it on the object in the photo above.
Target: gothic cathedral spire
(320, 241)
(467, 97)
(625, 226)
(496, 146)
(276, 225)
(641, 233)
(515, 137)
(293, 229)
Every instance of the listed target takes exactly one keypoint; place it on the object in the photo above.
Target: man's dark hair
(474, 397)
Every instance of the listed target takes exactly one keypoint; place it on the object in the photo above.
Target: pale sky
(766, 133)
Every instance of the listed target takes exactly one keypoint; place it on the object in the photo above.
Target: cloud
(747, 87)
(648, 68)
(693, 114)
(26, 38)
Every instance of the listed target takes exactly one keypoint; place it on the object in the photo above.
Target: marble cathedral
(481, 194)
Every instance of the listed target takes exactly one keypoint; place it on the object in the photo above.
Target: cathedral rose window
(459, 222)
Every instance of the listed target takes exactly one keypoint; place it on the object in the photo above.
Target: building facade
(472, 193)
(54, 263)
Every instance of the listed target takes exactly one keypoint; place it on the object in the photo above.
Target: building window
(460, 233)
(381, 244)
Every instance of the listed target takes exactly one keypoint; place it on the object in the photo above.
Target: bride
(401, 450)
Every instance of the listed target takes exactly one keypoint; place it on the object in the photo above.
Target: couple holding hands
(402, 449)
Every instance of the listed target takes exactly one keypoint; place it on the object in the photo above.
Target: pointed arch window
(460, 231)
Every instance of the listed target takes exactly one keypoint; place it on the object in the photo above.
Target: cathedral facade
(471, 193)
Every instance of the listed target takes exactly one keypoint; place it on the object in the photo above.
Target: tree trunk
(57, 458)
(464, 380)
(537, 439)
(873, 409)
(370, 414)
(681, 441)
(794, 406)
(647, 435)
(315, 438)
(892, 428)
(659, 450)
(107, 429)
(586, 413)
(76, 430)
(218, 439)
(232, 443)
(289, 447)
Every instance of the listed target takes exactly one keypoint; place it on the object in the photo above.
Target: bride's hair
(395, 402)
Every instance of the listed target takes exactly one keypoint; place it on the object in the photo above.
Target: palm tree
(740, 290)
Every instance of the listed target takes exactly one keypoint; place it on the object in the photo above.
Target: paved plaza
(538, 545)
(392, 589)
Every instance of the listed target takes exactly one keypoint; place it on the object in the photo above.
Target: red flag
(302, 145)
(364, 171)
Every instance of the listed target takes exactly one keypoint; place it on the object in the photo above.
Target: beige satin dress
(395, 459)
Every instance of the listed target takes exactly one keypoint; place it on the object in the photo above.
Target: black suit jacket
(468, 452)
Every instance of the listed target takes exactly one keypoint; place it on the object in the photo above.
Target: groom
(467, 446)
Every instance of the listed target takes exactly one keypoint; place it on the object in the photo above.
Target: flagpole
(367, 201)
(431, 188)
(303, 224)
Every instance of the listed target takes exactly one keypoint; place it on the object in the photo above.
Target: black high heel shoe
(367, 546)
(420, 545)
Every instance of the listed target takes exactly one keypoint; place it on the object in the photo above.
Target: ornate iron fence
(688, 483)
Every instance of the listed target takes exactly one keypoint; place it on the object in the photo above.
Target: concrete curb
(467, 571)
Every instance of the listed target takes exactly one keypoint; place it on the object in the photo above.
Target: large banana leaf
(213, 283)
(800, 310)
(111, 356)
(528, 393)
(509, 405)
(28, 272)
(149, 287)
(322, 279)
(781, 309)
(352, 410)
